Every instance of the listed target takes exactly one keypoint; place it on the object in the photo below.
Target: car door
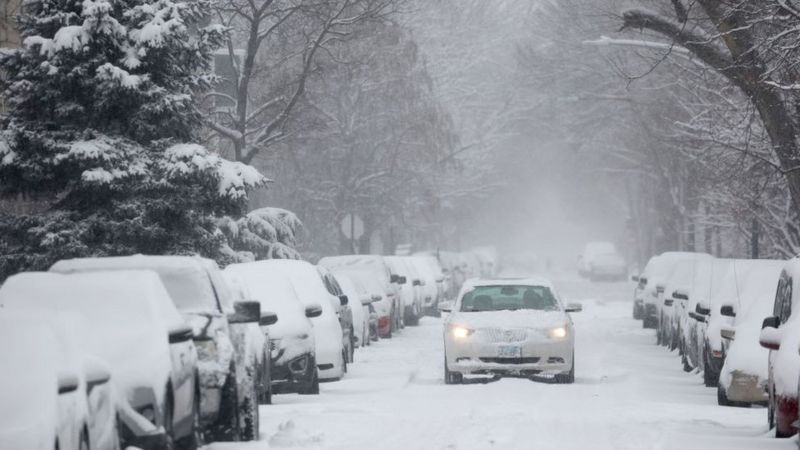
(183, 357)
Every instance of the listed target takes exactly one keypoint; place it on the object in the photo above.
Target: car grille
(500, 335)
(529, 360)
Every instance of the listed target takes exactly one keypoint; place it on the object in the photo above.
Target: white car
(132, 325)
(509, 327)
(359, 305)
(291, 338)
(743, 378)
(330, 352)
(602, 261)
(431, 271)
(410, 287)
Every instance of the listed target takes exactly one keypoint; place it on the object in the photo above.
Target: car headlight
(460, 332)
(558, 333)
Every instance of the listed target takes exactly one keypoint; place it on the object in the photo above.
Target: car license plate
(509, 351)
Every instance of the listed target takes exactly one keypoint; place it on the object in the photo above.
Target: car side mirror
(366, 301)
(394, 278)
(402, 280)
(702, 310)
(445, 307)
(343, 300)
(377, 298)
(573, 307)
(268, 318)
(67, 382)
(697, 317)
(770, 338)
(659, 289)
(97, 374)
(680, 294)
(181, 333)
(727, 311)
(418, 283)
(245, 312)
(313, 311)
(771, 322)
(668, 301)
(635, 278)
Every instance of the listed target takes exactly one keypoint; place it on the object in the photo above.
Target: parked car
(602, 261)
(291, 337)
(780, 334)
(44, 404)
(360, 299)
(435, 289)
(204, 300)
(344, 311)
(372, 270)
(672, 299)
(410, 287)
(743, 378)
(132, 325)
(509, 328)
(655, 274)
(329, 338)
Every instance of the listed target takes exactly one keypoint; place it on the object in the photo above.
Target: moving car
(743, 378)
(780, 334)
(204, 300)
(602, 261)
(509, 327)
(132, 325)
(291, 338)
(330, 353)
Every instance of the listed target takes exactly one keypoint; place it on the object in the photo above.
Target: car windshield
(190, 290)
(499, 298)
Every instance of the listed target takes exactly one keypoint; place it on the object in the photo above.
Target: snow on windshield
(498, 298)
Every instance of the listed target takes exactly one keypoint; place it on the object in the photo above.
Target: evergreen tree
(99, 128)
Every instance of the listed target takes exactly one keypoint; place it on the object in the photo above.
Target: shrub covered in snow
(100, 127)
(265, 233)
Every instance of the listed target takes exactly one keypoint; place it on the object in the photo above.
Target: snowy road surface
(629, 394)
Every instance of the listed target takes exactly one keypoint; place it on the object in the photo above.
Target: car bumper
(746, 388)
(536, 358)
(384, 326)
(292, 376)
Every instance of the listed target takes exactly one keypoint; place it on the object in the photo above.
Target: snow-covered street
(629, 394)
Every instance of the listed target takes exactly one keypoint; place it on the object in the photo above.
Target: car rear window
(499, 298)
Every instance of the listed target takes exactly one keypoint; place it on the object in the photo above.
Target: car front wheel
(451, 377)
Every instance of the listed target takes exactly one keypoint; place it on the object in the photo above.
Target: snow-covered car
(44, 405)
(329, 349)
(655, 274)
(372, 270)
(360, 299)
(673, 299)
(602, 261)
(743, 378)
(509, 327)
(431, 271)
(410, 288)
(291, 337)
(344, 311)
(203, 298)
(780, 334)
(132, 325)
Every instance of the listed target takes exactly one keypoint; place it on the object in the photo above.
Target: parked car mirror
(394, 278)
(402, 280)
(635, 278)
(680, 294)
(67, 382)
(728, 333)
(418, 283)
(770, 338)
(573, 307)
(445, 307)
(771, 322)
(268, 318)
(727, 311)
(181, 333)
(697, 317)
(659, 289)
(97, 373)
(313, 311)
(245, 312)
(377, 298)
(668, 301)
(702, 310)
(343, 300)
(367, 300)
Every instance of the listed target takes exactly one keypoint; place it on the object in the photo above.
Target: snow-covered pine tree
(100, 124)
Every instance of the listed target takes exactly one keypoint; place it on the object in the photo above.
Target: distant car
(132, 325)
(509, 327)
(602, 261)
(435, 288)
(44, 406)
(360, 299)
(330, 350)
(780, 334)
(291, 338)
(743, 378)
(344, 311)
(410, 287)
(203, 298)
(372, 269)
(655, 274)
